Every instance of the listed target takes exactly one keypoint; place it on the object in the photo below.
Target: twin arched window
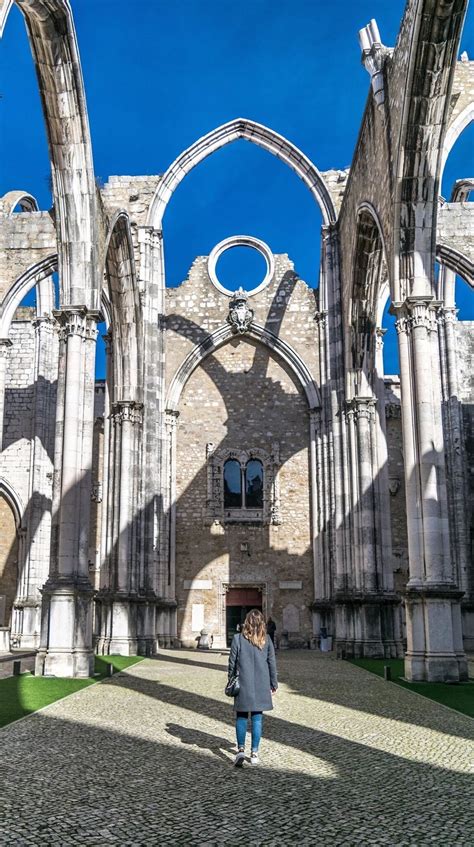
(243, 485)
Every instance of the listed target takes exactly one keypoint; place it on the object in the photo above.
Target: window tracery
(243, 486)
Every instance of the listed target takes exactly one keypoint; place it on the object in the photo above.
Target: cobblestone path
(145, 759)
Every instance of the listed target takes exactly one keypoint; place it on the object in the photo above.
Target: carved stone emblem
(240, 314)
(394, 485)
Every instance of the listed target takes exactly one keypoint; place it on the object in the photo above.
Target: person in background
(271, 629)
(252, 654)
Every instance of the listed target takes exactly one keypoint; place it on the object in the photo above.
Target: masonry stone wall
(196, 308)
(242, 398)
(8, 561)
(456, 226)
(465, 362)
(25, 239)
(19, 405)
(396, 476)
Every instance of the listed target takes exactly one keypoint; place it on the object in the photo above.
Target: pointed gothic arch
(14, 501)
(240, 128)
(218, 338)
(53, 41)
(456, 262)
(125, 308)
(454, 131)
(33, 276)
(367, 266)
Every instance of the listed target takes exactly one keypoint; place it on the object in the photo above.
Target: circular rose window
(241, 241)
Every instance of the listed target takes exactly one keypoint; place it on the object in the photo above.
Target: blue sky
(161, 77)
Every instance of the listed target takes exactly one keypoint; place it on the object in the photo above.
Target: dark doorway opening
(239, 601)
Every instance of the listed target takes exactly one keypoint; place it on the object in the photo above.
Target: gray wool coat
(257, 674)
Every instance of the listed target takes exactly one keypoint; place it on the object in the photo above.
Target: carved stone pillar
(33, 567)
(364, 416)
(119, 601)
(66, 639)
(5, 345)
(381, 482)
(167, 622)
(456, 465)
(107, 487)
(434, 650)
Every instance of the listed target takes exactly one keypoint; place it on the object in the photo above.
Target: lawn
(22, 695)
(459, 697)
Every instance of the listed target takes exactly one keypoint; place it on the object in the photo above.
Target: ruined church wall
(19, 406)
(241, 398)
(465, 363)
(286, 307)
(396, 475)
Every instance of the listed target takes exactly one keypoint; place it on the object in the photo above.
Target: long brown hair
(254, 628)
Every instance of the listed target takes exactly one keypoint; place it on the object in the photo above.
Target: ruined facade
(246, 448)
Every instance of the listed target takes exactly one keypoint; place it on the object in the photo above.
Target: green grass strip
(22, 695)
(459, 697)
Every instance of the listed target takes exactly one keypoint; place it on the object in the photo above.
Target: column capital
(78, 320)
(147, 234)
(45, 322)
(171, 418)
(108, 339)
(126, 411)
(447, 314)
(361, 407)
(415, 312)
(315, 416)
(379, 336)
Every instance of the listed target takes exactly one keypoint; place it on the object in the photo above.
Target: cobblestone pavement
(145, 758)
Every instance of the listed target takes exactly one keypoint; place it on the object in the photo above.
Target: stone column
(127, 418)
(384, 529)
(168, 561)
(364, 417)
(5, 345)
(66, 639)
(434, 651)
(456, 459)
(33, 568)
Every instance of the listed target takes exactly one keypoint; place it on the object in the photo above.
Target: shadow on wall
(232, 402)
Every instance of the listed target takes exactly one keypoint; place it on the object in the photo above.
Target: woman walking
(252, 655)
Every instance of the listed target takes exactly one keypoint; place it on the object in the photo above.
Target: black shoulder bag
(233, 684)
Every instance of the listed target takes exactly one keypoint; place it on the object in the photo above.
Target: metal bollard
(109, 669)
(387, 673)
(17, 668)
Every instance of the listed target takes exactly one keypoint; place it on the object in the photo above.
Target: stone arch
(37, 274)
(125, 308)
(456, 262)
(12, 199)
(460, 123)
(240, 128)
(368, 262)
(53, 43)
(258, 333)
(11, 517)
(14, 500)
(424, 120)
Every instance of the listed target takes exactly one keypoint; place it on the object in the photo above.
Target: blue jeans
(241, 729)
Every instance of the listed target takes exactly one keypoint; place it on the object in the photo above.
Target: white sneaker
(239, 759)
(254, 760)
